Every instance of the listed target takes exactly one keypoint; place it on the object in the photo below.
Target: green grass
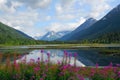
(64, 45)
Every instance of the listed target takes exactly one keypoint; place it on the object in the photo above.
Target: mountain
(108, 26)
(83, 26)
(50, 36)
(11, 35)
(37, 37)
(23, 34)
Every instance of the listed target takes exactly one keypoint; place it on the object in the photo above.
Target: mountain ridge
(11, 35)
(83, 26)
(52, 35)
(109, 24)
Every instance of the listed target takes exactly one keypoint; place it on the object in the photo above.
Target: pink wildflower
(65, 53)
(119, 74)
(58, 62)
(41, 79)
(75, 54)
(32, 60)
(65, 67)
(36, 69)
(33, 77)
(80, 77)
(111, 64)
(44, 75)
(38, 58)
(48, 54)
(42, 51)
(70, 54)
(46, 61)
(92, 72)
(118, 65)
(97, 65)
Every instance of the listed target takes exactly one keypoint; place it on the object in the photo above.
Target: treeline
(113, 37)
(107, 38)
(23, 41)
(104, 39)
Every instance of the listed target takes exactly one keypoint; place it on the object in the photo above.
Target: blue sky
(36, 17)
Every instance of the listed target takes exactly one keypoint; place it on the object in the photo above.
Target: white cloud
(48, 18)
(7, 6)
(66, 17)
(67, 8)
(18, 27)
(2, 1)
(65, 26)
(24, 21)
(97, 8)
(36, 3)
(68, 14)
(58, 8)
(23, 18)
(4, 7)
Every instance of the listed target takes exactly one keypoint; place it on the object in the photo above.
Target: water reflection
(55, 57)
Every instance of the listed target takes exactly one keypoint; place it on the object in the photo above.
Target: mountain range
(52, 35)
(83, 26)
(107, 28)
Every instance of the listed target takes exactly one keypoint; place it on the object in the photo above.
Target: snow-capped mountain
(52, 35)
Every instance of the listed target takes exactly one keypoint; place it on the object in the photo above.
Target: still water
(85, 56)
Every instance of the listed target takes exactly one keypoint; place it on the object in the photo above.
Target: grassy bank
(44, 46)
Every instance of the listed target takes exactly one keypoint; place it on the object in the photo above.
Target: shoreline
(61, 46)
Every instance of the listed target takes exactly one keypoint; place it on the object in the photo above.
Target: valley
(59, 40)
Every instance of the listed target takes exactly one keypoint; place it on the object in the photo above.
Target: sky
(37, 17)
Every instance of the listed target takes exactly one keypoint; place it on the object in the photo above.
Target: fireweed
(62, 70)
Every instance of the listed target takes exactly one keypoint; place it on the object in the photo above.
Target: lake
(86, 56)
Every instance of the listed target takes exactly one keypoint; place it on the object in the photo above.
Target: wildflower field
(63, 70)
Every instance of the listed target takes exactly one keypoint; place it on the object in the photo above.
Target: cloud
(65, 10)
(23, 21)
(54, 15)
(97, 7)
(98, 10)
(36, 3)
(9, 6)
(75, 8)
(18, 28)
(66, 17)
(22, 18)
(65, 26)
